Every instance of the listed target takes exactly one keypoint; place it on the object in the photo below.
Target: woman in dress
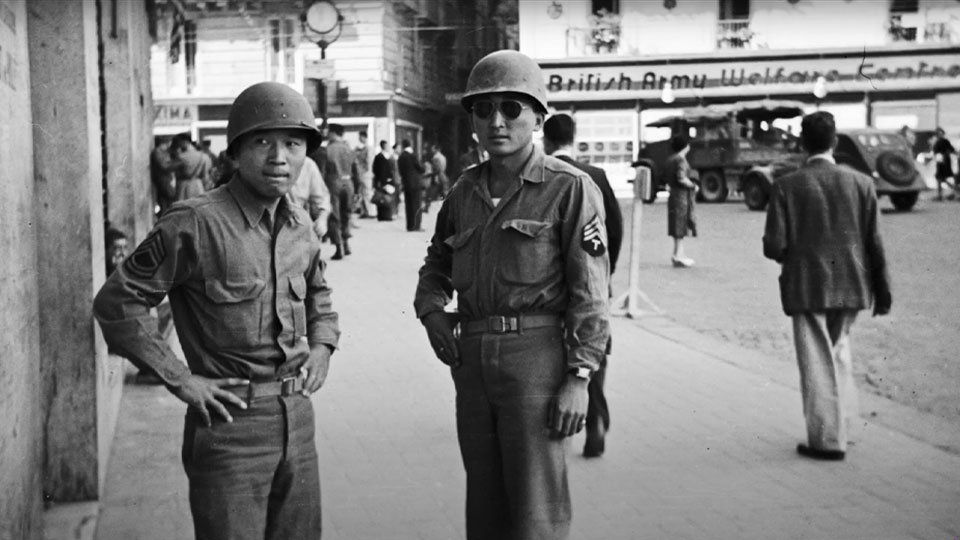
(680, 205)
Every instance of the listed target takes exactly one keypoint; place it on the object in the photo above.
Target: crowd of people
(525, 240)
(337, 184)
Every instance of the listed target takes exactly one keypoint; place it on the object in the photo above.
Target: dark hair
(818, 132)
(405, 143)
(180, 140)
(678, 143)
(112, 235)
(363, 133)
(336, 129)
(383, 144)
(560, 129)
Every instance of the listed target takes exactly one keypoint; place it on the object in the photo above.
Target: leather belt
(287, 386)
(499, 324)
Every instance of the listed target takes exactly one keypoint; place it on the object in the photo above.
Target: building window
(904, 20)
(281, 52)
(734, 10)
(733, 28)
(611, 6)
(904, 6)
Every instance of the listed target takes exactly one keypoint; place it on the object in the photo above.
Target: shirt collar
(826, 156)
(251, 207)
(563, 151)
(532, 170)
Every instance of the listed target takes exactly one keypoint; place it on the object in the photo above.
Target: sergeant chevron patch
(594, 237)
(143, 263)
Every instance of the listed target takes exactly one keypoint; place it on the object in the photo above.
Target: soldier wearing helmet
(521, 240)
(242, 268)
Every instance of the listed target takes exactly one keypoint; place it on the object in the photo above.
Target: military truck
(736, 148)
(726, 142)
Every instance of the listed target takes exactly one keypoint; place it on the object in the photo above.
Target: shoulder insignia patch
(594, 237)
(143, 262)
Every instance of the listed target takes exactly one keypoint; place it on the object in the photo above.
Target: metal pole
(322, 88)
(628, 304)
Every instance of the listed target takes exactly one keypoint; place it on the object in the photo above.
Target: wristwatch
(581, 373)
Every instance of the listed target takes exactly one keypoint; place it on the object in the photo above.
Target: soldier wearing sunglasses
(521, 239)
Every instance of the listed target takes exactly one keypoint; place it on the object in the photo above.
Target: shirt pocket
(235, 312)
(298, 295)
(530, 251)
(463, 258)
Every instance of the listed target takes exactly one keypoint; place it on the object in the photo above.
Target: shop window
(281, 53)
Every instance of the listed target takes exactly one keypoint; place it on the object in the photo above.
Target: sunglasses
(510, 109)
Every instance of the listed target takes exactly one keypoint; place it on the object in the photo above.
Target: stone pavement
(702, 441)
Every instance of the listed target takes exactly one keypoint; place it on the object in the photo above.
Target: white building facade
(386, 68)
(884, 63)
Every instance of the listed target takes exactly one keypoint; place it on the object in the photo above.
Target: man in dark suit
(381, 167)
(410, 170)
(822, 228)
(559, 131)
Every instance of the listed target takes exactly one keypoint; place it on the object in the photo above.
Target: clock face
(322, 17)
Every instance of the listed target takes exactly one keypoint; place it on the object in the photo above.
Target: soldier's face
(505, 123)
(269, 161)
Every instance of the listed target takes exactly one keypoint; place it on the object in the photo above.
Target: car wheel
(755, 193)
(713, 187)
(895, 168)
(904, 201)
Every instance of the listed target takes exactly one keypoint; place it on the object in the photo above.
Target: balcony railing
(734, 34)
(593, 41)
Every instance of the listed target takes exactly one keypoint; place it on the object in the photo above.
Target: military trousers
(516, 468)
(341, 202)
(256, 478)
(822, 341)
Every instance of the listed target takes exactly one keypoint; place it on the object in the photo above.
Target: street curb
(920, 425)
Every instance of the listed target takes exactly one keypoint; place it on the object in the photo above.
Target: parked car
(884, 155)
(727, 142)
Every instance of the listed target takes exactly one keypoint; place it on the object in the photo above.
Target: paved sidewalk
(702, 441)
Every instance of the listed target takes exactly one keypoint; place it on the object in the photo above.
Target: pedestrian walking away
(559, 132)
(521, 239)
(822, 227)
(411, 170)
(680, 206)
(942, 150)
(243, 272)
(342, 167)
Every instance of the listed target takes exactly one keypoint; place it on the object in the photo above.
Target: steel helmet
(506, 71)
(271, 105)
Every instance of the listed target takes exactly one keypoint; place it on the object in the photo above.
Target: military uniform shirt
(542, 249)
(248, 298)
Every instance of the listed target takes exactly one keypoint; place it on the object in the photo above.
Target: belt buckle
(288, 386)
(501, 325)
